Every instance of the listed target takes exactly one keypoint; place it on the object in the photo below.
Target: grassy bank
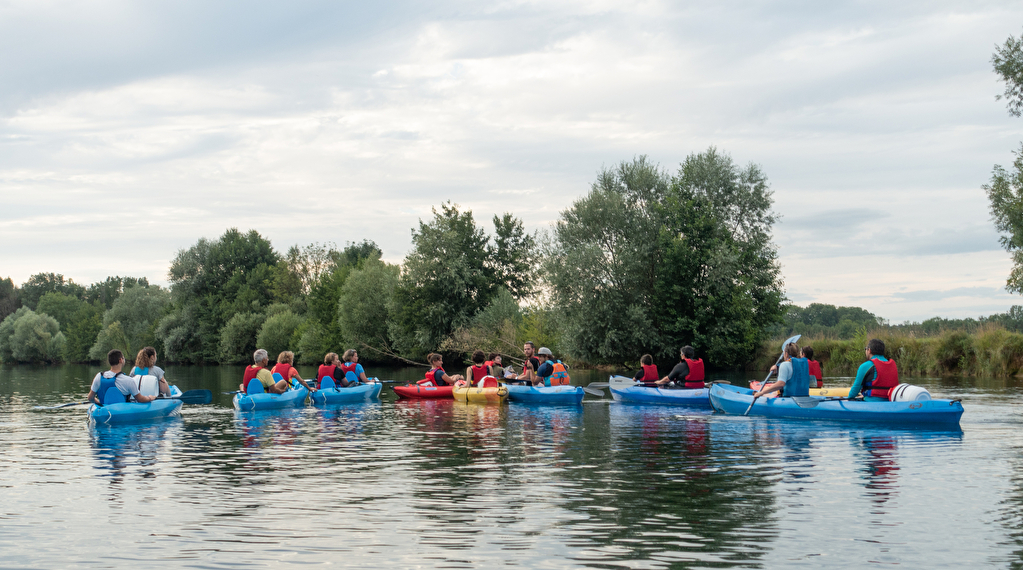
(989, 351)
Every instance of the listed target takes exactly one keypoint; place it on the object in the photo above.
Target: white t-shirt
(126, 384)
(785, 371)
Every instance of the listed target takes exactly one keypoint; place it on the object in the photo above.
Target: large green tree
(27, 336)
(131, 323)
(80, 321)
(362, 309)
(41, 283)
(1005, 190)
(9, 298)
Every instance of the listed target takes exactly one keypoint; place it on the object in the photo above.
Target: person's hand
(757, 394)
(774, 369)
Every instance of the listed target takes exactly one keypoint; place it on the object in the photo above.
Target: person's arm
(295, 375)
(164, 383)
(784, 373)
(681, 370)
(361, 373)
(468, 373)
(861, 374)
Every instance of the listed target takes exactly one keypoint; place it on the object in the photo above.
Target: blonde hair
(792, 350)
(329, 358)
(348, 355)
(146, 357)
(286, 357)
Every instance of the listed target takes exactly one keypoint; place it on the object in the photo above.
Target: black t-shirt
(679, 372)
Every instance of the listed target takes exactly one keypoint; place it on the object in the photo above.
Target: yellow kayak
(476, 395)
(833, 392)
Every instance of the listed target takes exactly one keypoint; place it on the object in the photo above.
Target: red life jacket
(886, 378)
(815, 372)
(325, 370)
(649, 373)
(284, 370)
(695, 377)
(478, 372)
(250, 373)
(431, 378)
(347, 367)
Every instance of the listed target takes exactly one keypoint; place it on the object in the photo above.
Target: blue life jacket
(108, 392)
(799, 383)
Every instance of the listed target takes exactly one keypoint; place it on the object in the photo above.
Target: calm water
(448, 485)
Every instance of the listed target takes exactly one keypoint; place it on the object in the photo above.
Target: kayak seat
(488, 382)
(278, 377)
(327, 383)
(254, 387)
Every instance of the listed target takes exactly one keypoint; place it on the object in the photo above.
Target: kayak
(480, 395)
(628, 390)
(264, 401)
(333, 394)
(735, 400)
(553, 395)
(418, 391)
(127, 412)
(833, 392)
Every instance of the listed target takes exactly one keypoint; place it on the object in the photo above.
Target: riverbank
(990, 351)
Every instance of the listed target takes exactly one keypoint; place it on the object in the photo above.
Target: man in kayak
(124, 383)
(260, 372)
(793, 376)
(688, 373)
(531, 361)
(551, 372)
(877, 376)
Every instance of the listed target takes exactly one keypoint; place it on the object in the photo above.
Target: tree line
(647, 261)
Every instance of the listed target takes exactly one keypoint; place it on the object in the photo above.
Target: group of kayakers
(688, 373)
(146, 382)
(345, 371)
(539, 368)
(875, 378)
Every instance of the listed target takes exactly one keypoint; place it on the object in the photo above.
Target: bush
(131, 323)
(277, 331)
(27, 336)
(238, 338)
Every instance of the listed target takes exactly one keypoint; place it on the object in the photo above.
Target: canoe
(833, 392)
(551, 395)
(337, 395)
(294, 397)
(419, 392)
(627, 390)
(479, 395)
(735, 400)
(129, 412)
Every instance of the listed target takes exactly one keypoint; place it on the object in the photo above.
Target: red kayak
(424, 392)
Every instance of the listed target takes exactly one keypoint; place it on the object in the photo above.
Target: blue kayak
(330, 393)
(129, 412)
(264, 401)
(735, 400)
(627, 390)
(555, 395)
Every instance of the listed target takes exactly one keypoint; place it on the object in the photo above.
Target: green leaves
(1005, 193)
(1008, 64)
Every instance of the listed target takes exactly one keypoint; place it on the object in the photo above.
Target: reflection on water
(440, 484)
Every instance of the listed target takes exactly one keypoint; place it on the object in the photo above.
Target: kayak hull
(131, 412)
(360, 393)
(697, 398)
(477, 395)
(735, 400)
(551, 395)
(418, 392)
(294, 397)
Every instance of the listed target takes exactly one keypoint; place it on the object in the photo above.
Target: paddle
(60, 406)
(192, 397)
(593, 391)
(782, 355)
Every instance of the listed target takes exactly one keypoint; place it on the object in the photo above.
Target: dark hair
(876, 347)
(492, 356)
(434, 357)
(808, 352)
(688, 352)
(478, 357)
(792, 349)
(530, 343)
(114, 357)
(646, 359)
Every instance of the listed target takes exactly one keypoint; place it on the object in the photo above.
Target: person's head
(350, 354)
(791, 351)
(435, 359)
(329, 358)
(875, 347)
(478, 357)
(496, 359)
(646, 360)
(286, 357)
(808, 352)
(260, 356)
(544, 353)
(115, 357)
(528, 348)
(146, 357)
(688, 352)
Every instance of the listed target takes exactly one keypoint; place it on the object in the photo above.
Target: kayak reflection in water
(688, 373)
(793, 375)
(114, 378)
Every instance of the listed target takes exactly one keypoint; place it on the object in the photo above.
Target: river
(447, 485)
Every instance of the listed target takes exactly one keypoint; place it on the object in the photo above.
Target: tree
(278, 333)
(325, 292)
(238, 338)
(27, 336)
(363, 308)
(131, 323)
(1005, 192)
(79, 320)
(42, 283)
(512, 255)
(1008, 63)
(9, 299)
(107, 291)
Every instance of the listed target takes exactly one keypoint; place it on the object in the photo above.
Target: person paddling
(145, 365)
(877, 376)
(648, 372)
(115, 379)
(286, 368)
(688, 373)
(436, 375)
(479, 368)
(816, 374)
(793, 376)
(260, 372)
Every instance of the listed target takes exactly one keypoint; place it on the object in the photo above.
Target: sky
(129, 130)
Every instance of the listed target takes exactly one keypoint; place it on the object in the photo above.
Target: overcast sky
(128, 130)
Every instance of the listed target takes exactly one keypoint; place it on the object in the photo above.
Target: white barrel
(909, 393)
(149, 385)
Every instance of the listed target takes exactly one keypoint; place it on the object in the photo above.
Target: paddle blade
(591, 391)
(196, 397)
(597, 385)
(721, 382)
(806, 401)
(789, 341)
(60, 406)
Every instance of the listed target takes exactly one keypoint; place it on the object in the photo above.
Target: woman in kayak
(688, 373)
(285, 367)
(353, 370)
(436, 375)
(479, 368)
(793, 376)
(816, 374)
(648, 372)
(145, 365)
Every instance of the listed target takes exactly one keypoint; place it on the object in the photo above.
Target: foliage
(1005, 193)
(325, 291)
(312, 345)
(511, 256)
(1008, 64)
(106, 292)
(9, 299)
(80, 321)
(211, 282)
(27, 336)
(821, 319)
(363, 308)
(41, 283)
(494, 329)
(130, 323)
(238, 338)
(278, 333)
